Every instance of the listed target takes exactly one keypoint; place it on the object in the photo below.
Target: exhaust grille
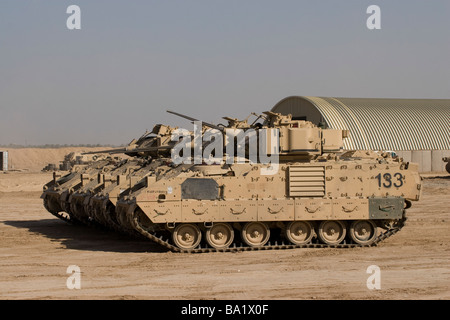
(308, 182)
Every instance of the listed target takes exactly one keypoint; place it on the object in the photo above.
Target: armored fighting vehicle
(71, 159)
(57, 192)
(447, 166)
(303, 190)
(68, 197)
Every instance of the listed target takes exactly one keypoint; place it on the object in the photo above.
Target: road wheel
(299, 232)
(186, 236)
(332, 232)
(363, 232)
(255, 234)
(220, 235)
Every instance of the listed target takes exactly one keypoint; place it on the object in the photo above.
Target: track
(132, 220)
(69, 218)
(239, 247)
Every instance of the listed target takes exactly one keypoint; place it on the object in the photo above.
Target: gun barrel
(123, 150)
(193, 119)
(150, 149)
(182, 115)
(111, 151)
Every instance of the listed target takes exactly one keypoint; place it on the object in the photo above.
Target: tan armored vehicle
(101, 206)
(57, 192)
(312, 194)
(447, 166)
(78, 200)
(68, 197)
(71, 159)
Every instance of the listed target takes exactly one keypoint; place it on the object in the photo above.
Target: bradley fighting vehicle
(312, 195)
(309, 194)
(70, 159)
(75, 197)
(447, 166)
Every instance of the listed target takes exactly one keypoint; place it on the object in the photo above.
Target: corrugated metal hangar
(416, 129)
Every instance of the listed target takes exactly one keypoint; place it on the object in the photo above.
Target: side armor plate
(386, 208)
(199, 189)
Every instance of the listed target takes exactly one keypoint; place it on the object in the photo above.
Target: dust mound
(34, 159)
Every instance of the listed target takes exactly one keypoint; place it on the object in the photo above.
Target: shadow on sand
(81, 237)
(445, 177)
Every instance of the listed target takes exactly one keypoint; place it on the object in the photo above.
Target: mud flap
(386, 208)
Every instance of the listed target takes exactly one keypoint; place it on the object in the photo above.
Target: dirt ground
(34, 159)
(37, 249)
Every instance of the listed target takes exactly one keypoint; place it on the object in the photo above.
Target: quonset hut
(416, 129)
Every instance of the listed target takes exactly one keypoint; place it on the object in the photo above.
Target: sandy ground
(36, 250)
(35, 159)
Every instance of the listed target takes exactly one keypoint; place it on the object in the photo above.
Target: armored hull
(56, 193)
(79, 200)
(355, 200)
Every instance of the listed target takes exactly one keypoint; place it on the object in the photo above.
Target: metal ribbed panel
(306, 181)
(387, 124)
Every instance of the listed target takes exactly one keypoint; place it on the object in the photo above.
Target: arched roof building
(407, 125)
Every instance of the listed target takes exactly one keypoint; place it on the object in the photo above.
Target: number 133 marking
(386, 180)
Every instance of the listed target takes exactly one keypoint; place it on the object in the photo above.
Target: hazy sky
(132, 60)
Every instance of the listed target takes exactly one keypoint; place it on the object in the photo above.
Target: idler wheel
(331, 232)
(363, 232)
(186, 236)
(220, 235)
(255, 234)
(299, 232)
